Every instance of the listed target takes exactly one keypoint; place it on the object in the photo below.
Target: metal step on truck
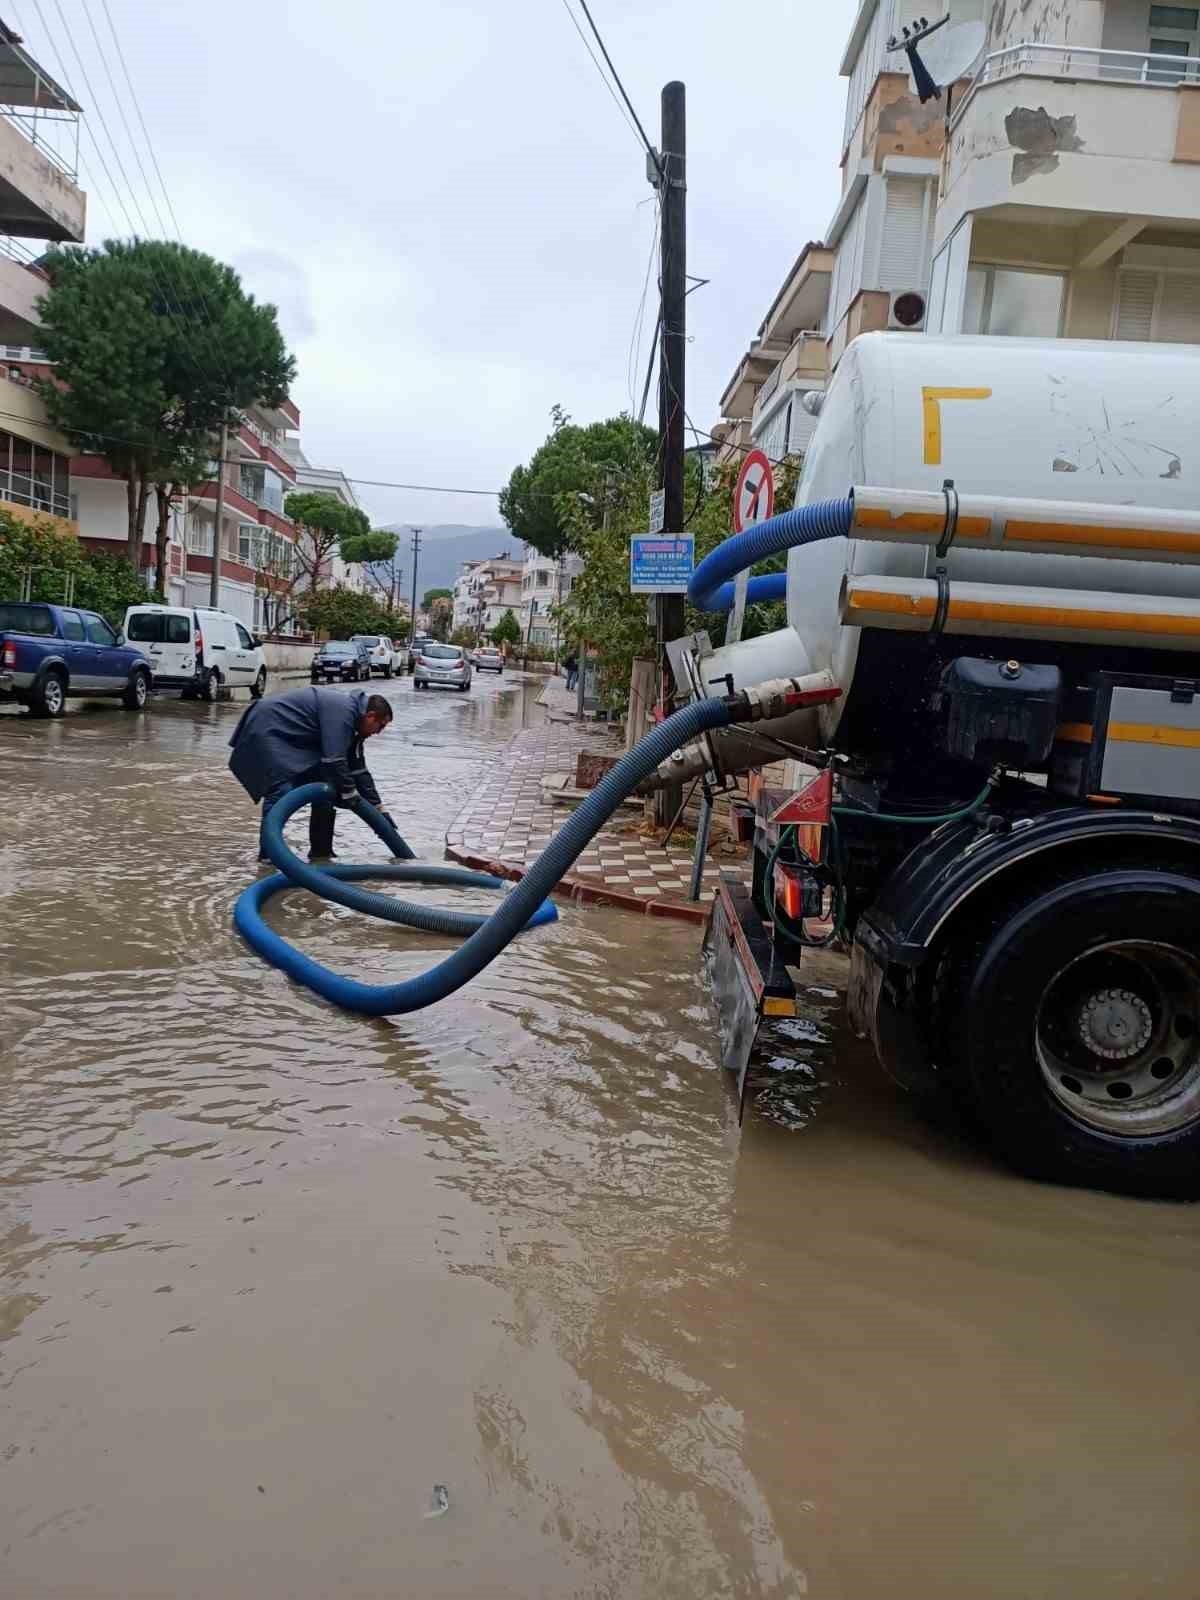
(995, 574)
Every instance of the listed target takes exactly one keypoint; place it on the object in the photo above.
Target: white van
(197, 650)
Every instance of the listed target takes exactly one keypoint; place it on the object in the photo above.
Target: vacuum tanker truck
(993, 643)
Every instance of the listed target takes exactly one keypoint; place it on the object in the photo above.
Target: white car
(197, 650)
(379, 648)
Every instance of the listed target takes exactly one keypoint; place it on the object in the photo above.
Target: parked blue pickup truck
(48, 652)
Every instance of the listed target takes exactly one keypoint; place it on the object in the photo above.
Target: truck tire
(49, 695)
(259, 687)
(137, 691)
(1075, 1029)
(210, 686)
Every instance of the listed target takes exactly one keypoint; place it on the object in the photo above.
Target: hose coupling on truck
(778, 697)
(764, 702)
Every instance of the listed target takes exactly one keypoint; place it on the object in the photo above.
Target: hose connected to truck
(523, 907)
(526, 905)
(711, 588)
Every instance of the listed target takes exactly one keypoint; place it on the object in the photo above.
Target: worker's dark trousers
(321, 817)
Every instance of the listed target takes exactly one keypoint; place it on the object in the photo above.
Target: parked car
(414, 649)
(488, 659)
(380, 651)
(197, 650)
(341, 661)
(442, 664)
(48, 652)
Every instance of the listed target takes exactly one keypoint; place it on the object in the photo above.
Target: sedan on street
(489, 660)
(441, 664)
(341, 661)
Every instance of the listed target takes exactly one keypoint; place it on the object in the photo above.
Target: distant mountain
(444, 548)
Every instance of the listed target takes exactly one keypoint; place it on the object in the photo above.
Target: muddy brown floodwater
(270, 1273)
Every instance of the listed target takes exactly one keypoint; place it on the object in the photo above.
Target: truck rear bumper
(15, 682)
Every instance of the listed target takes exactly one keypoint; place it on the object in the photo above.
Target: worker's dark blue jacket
(303, 734)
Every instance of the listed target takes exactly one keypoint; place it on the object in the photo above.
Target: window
(26, 619)
(146, 627)
(904, 249)
(98, 631)
(72, 625)
(177, 630)
(244, 639)
(1013, 301)
(1185, 18)
(1158, 305)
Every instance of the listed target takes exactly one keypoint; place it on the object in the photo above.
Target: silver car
(441, 664)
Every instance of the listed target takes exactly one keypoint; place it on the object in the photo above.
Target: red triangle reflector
(813, 803)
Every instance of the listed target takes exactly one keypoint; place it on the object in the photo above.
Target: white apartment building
(1063, 201)
(484, 591)
(462, 615)
(332, 481)
(545, 583)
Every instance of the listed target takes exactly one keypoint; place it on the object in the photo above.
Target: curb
(586, 893)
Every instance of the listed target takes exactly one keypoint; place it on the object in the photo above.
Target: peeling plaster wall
(1077, 22)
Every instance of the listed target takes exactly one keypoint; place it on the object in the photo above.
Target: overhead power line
(600, 70)
(650, 150)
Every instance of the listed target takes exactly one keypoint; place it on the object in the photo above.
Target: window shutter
(804, 425)
(902, 255)
(1179, 309)
(1136, 292)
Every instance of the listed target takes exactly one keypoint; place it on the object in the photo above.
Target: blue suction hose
(526, 905)
(519, 909)
(711, 588)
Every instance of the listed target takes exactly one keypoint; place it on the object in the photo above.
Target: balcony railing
(54, 133)
(1072, 63)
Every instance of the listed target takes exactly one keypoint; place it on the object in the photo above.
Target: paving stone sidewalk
(507, 824)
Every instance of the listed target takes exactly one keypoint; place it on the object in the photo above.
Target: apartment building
(40, 202)
(462, 613)
(332, 481)
(544, 584)
(1062, 199)
(484, 591)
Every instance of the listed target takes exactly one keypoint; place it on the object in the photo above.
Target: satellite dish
(951, 53)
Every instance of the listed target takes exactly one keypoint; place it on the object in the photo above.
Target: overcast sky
(448, 209)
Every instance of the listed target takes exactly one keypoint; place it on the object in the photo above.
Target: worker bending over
(308, 735)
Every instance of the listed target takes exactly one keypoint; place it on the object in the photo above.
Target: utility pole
(416, 551)
(214, 583)
(672, 185)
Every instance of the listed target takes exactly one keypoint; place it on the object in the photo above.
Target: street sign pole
(753, 502)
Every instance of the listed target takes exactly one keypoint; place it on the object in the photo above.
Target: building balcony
(40, 197)
(234, 502)
(750, 374)
(799, 307)
(1072, 129)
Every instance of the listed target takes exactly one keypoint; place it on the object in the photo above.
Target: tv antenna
(936, 65)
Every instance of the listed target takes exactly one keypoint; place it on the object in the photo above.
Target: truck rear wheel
(1075, 1029)
(49, 696)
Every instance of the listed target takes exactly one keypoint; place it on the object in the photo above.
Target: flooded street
(269, 1272)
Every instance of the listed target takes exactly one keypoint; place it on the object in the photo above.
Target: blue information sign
(661, 565)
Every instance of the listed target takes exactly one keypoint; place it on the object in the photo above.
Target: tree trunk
(165, 495)
(137, 494)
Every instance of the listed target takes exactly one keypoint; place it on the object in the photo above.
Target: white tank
(1068, 420)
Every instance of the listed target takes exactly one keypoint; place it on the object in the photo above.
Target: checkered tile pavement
(507, 824)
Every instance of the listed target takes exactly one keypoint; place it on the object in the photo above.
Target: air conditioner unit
(906, 310)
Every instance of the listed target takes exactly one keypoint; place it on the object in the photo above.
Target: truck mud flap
(748, 983)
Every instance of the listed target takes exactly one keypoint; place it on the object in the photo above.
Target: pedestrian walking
(571, 663)
(308, 735)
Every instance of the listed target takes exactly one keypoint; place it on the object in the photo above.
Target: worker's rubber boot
(321, 821)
